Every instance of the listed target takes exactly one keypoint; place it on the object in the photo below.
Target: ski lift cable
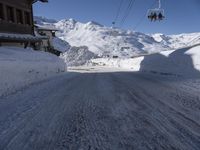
(129, 8)
(127, 12)
(118, 12)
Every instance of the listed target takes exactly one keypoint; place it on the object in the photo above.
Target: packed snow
(21, 67)
(103, 111)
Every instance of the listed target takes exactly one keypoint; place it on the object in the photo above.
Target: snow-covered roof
(46, 27)
(44, 1)
(19, 37)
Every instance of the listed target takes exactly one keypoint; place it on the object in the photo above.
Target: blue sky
(182, 16)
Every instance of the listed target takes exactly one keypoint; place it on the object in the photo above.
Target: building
(16, 23)
(47, 34)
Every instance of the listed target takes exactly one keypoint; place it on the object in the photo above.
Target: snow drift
(180, 62)
(21, 67)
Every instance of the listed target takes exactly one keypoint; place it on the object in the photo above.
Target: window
(42, 33)
(10, 14)
(54, 34)
(19, 16)
(27, 18)
(1, 12)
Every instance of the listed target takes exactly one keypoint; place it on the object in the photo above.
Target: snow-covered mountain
(106, 41)
(178, 41)
(77, 56)
(99, 41)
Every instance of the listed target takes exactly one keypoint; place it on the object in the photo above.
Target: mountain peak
(94, 23)
(70, 20)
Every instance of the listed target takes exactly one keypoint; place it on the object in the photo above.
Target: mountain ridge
(108, 42)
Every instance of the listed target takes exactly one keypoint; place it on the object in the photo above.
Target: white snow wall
(22, 67)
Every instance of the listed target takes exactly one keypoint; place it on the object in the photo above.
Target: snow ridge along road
(103, 111)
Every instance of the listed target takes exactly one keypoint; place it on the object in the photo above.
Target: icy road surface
(97, 110)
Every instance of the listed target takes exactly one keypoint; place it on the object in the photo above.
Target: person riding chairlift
(160, 16)
(153, 16)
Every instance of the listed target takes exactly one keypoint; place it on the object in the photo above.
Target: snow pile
(77, 56)
(181, 62)
(178, 41)
(21, 67)
(194, 52)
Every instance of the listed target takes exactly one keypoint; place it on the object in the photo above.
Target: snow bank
(21, 67)
(194, 52)
(181, 62)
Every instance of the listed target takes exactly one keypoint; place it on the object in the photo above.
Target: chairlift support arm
(159, 4)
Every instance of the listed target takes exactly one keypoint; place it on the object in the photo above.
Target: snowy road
(103, 111)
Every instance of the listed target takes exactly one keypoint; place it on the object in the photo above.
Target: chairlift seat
(156, 11)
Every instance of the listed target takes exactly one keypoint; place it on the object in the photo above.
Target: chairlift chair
(156, 14)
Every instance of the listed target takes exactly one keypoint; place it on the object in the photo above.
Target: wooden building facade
(16, 17)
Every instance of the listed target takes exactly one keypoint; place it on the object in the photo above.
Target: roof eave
(44, 1)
